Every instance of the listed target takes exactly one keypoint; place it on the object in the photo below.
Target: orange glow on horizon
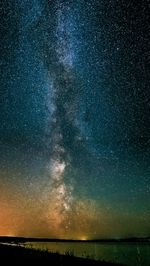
(83, 238)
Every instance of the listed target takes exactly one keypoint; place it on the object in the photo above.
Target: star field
(75, 119)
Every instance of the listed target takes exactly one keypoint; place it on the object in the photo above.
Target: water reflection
(126, 253)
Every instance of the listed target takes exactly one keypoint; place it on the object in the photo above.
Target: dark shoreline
(22, 256)
(9, 239)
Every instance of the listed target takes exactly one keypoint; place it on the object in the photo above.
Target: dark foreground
(23, 256)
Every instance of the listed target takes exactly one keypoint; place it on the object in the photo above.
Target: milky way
(75, 116)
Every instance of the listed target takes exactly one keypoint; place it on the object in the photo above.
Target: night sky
(75, 118)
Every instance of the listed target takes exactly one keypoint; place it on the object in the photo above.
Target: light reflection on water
(133, 254)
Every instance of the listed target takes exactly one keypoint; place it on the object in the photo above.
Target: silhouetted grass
(18, 255)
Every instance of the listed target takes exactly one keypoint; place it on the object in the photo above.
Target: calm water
(134, 254)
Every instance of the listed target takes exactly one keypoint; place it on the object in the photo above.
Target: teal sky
(75, 119)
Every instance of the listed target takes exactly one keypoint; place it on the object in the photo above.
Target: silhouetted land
(9, 239)
(22, 256)
(16, 255)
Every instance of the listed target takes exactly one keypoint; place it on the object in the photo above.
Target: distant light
(83, 238)
(10, 235)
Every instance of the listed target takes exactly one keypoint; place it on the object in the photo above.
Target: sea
(127, 253)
